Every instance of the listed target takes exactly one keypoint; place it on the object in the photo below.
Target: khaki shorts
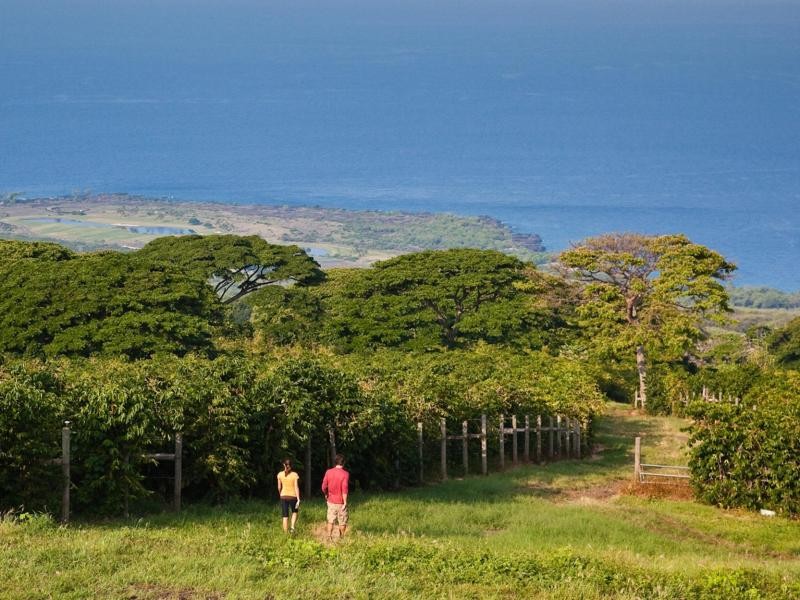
(337, 512)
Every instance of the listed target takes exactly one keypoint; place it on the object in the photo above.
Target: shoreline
(335, 236)
(347, 250)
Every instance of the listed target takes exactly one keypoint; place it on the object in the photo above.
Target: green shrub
(30, 425)
(748, 454)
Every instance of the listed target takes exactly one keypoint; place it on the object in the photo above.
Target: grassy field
(565, 530)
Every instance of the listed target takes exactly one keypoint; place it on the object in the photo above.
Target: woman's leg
(285, 514)
(294, 519)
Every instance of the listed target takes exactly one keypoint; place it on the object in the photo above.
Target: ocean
(567, 118)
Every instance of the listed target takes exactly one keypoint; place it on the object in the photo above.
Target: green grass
(560, 530)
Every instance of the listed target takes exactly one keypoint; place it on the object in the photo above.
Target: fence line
(569, 429)
(708, 396)
(566, 428)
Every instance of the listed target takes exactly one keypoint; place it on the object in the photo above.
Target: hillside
(565, 530)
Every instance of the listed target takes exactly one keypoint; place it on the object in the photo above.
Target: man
(335, 487)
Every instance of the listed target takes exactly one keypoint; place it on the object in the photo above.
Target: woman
(289, 491)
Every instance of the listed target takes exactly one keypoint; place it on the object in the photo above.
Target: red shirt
(335, 484)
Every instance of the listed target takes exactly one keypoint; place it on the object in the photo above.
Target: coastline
(336, 237)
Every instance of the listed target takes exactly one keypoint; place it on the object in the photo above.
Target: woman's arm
(280, 485)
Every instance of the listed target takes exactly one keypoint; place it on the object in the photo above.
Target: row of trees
(639, 294)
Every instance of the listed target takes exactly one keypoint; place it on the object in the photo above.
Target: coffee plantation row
(240, 416)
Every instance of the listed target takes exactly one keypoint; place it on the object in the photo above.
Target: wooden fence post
(567, 437)
(126, 460)
(514, 438)
(578, 438)
(550, 437)
(637, 459)
(307, 474)
(558, 436)
(65, 475)
(178, 470)
(527, 439)
(465, 447)
(484, 457)
(444, 449)
(421, 453)
(502, 442)
(538, 438)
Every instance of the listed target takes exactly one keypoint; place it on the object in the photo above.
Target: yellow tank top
(289, 484)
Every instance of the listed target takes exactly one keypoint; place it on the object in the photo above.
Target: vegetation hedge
(748, 454)
(240, 415)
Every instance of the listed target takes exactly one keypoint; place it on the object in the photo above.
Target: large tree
(430, 298)
(642, 292)
(166, 297)
(104, 303)
(234, 265)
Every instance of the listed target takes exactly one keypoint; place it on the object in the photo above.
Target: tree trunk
(641, 367)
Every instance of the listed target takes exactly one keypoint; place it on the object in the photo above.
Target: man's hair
(339, 460)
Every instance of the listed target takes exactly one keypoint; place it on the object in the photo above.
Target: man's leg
(344, 517)
(330, 519)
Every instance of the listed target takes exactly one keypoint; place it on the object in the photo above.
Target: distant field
(335, 237)
(564, 530)
(770, 317)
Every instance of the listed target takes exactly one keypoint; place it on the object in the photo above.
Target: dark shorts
(288, 505)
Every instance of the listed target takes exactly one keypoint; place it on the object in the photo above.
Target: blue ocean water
(567, 118)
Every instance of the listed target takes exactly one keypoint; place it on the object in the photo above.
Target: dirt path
(607, 472)
(320, 533)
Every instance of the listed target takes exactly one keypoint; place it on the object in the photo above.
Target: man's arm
(325, 486)
(345, 488)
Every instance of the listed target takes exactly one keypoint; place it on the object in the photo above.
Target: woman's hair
(287, 464)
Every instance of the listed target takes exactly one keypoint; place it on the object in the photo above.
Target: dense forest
(252, 352)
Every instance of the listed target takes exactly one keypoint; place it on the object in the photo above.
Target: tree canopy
(235, 265)
(165, 297)
(429, 298)
(12, 251)
(105, 303)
